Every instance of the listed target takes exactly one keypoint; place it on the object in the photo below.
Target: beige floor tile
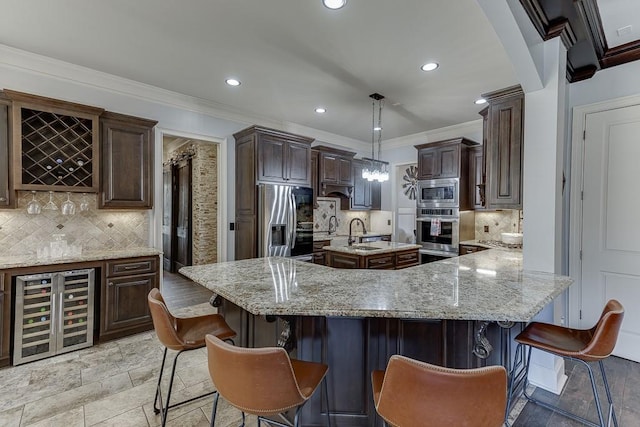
(119, 403)
(227, 415)
(72, 418)
(132, 418)
(11, 417)
(178, 396)
(61, 402)
(195, 418)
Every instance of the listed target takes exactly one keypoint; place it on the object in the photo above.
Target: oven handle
(438, 253)
(441, 218)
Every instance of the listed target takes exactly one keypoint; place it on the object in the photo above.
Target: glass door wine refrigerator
(54, 314)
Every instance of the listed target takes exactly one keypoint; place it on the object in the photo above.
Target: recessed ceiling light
(334, 4)
(480, 101)
(321, 110)
(377, 128)
(233, 82)
(429, 66)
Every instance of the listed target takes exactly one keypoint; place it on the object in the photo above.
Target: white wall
(611, 83)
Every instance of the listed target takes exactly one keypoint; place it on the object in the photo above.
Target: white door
(610, 229)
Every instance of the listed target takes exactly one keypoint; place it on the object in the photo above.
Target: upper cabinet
(361, 195)
(503, 149)
(476, 177)
(6, 198)
(126, 162)
(55, 144)
(438, 160)
(335, 174)
(282, 158)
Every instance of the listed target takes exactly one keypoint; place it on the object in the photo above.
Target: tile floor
(113, 384)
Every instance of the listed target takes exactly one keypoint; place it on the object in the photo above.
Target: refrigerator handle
(61, 321)
(295, 219)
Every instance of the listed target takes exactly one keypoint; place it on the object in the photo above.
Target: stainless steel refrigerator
(285, 221)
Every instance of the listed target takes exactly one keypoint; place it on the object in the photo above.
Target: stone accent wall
(23, 234)
(204, 171)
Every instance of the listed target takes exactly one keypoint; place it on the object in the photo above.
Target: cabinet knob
(110, 283)
(3, 199)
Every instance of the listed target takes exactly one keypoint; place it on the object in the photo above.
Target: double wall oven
(440, 224)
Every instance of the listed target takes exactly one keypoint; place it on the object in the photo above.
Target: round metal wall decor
(411, 182)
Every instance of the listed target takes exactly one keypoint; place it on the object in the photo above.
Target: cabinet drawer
(132, 266)
(406, 259)
(381, 262)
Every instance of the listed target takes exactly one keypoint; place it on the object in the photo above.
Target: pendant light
(376, 170)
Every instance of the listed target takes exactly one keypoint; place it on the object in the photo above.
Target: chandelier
(376, 169)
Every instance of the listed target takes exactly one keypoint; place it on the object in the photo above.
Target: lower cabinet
(124, 306)
(5, 319)
(385, 261)
(319, 254)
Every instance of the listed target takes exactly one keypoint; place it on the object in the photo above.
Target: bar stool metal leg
(516, 379)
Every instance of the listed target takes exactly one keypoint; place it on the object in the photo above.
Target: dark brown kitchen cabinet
(281, 157)
(335, 173)
(124, 308)
(315, 183)
(55, 144)
(6, 198)
(385, 261)
(504, 149)
(127, 162)
(319, 254)
(360, 199)
(444, 159)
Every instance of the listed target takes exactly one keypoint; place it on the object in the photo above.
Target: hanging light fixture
(376, 170)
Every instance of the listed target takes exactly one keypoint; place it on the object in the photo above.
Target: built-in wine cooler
(54, 314)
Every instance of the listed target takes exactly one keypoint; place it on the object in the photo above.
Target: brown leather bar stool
(262, 381)
(581, 345)
(411, 393)
(181, 334)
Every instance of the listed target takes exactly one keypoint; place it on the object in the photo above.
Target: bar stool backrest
(415, 393)
(605, 332)
(258, 381)
(163, 321)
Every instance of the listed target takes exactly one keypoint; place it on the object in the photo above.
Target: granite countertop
(492, 244)
(371, 248)
(487, 285)
(32, 260)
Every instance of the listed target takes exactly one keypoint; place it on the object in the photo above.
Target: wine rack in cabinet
(54, 314)
(55, 144)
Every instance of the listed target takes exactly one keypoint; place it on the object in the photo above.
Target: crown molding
(64, 71)
(454, 131)
(324, 137)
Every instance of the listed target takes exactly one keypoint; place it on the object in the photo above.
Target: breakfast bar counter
(461, 312)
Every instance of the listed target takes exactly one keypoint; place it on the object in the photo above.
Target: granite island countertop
(371, 248)
(488, 285)
(32, 260)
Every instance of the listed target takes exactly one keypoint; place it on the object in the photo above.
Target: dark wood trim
(273, 132)
(579, 24)
(39, 102)
(500, 94)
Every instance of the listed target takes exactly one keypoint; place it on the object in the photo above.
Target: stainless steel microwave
(439, 193)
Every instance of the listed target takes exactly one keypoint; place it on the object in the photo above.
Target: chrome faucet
(364, 230)
(335, 224)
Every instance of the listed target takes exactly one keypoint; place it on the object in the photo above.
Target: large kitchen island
(461, 312)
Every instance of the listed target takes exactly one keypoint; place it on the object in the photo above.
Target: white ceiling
(619, 15)
(291, 55)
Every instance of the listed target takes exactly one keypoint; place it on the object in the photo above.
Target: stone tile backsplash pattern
(506, 221)
(328, 206)
(23, 234)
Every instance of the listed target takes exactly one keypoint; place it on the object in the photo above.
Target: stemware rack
(54, 314)
(55, 144)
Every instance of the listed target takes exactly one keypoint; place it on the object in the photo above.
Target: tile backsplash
(328, 206)
(23, 234)
(505, 221)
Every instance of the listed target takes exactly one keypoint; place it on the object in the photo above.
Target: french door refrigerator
(54, 314)
(285, 221)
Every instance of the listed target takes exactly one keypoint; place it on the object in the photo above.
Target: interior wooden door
(183, 214)
(610, 252)
(167, 218)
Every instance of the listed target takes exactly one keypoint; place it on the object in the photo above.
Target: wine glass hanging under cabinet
(55, 144)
